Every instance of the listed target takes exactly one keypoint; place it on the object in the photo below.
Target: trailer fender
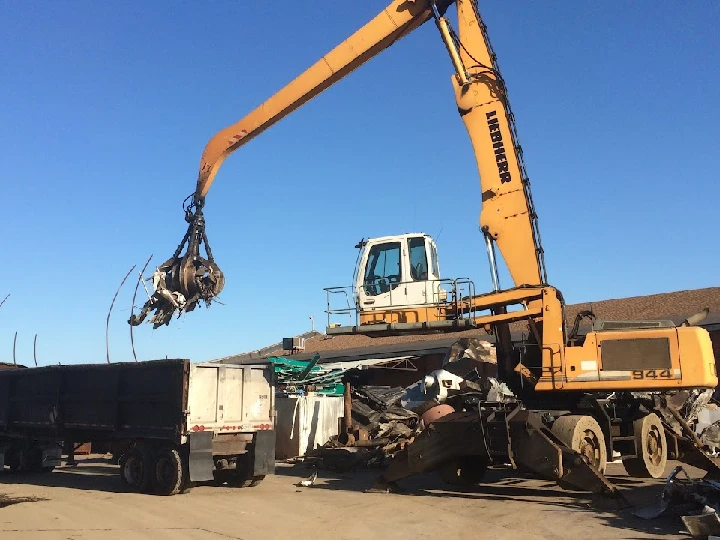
(201, 458)
(263, 453)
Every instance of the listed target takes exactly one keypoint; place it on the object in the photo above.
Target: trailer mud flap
(201, 458)
(263, 458)
(51, 455)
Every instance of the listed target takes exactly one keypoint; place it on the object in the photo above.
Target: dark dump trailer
(169, 422)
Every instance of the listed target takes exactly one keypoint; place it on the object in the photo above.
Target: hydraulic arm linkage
(507, 219)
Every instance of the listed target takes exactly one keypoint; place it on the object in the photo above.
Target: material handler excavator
(580, 399)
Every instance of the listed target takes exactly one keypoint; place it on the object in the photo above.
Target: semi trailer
(169, 423)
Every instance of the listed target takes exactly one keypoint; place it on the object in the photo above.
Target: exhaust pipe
(694, 319)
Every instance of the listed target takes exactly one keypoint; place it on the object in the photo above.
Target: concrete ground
(87, 502)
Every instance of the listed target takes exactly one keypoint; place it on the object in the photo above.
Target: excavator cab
(397, 282)
(398, 271)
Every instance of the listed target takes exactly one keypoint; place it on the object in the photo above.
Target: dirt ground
(87, 502)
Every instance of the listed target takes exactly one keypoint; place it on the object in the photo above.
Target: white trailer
(170, 422)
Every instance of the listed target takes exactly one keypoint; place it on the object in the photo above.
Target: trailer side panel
(144, 399)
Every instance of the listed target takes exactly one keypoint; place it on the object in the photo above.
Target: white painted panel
(203, 394)
(588, 365)
(256, 398)
(305, 422)
(233, 395)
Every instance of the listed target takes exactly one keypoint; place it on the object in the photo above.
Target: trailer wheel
(13, 459)
(136, 469)
(236, 478)
(254, 481)
(584, 435)
(170, 473)
(651, 444)
(464, 471)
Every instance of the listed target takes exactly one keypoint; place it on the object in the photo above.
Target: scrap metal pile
(695, 501)
(384, 419)
(380, 428)
(299, 376)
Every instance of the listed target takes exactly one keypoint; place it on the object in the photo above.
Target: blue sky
(106, 109)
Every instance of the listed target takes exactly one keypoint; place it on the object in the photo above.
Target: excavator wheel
(584, 435)
(651, 446)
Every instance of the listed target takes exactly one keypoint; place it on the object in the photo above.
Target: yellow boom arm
(507, 218)
(393, 23)
(506, 214)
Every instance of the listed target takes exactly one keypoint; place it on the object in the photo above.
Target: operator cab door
(382, 276)
(420, 269)
(402, 271)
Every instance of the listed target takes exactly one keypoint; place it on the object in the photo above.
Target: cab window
(418, 259)
(382, 272)
(434, 259)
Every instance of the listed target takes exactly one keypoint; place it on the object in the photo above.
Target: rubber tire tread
(178, 479)
(145, 485)
(254, 481)
(637, 467)
(564, 429)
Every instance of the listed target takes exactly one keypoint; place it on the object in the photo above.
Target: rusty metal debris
(695, 501)
(183, 281)
(377, 428)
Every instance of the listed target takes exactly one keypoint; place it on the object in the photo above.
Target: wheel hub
(590, 448)
(132, 470)
(164, 470)
(654, 446)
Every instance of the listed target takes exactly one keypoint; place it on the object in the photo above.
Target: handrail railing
(459, 300)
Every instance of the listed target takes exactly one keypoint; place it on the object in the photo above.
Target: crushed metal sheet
(696, 501)
(704, 524)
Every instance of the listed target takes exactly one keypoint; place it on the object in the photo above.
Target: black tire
(584, 435)
(137, 469)
(14, 460)
(464, 471)
(226, 476)
(252, 482)
(651, 444)
(171, 475)
(235, 478)
(635, 467)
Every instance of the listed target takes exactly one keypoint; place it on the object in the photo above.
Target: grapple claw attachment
(181, 282)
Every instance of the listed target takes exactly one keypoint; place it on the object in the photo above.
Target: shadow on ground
(510, 486)
(7, 500)
(95, 474)
(503, 485)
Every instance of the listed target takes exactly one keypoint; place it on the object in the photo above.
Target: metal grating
(634, 354)
(630, 325)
